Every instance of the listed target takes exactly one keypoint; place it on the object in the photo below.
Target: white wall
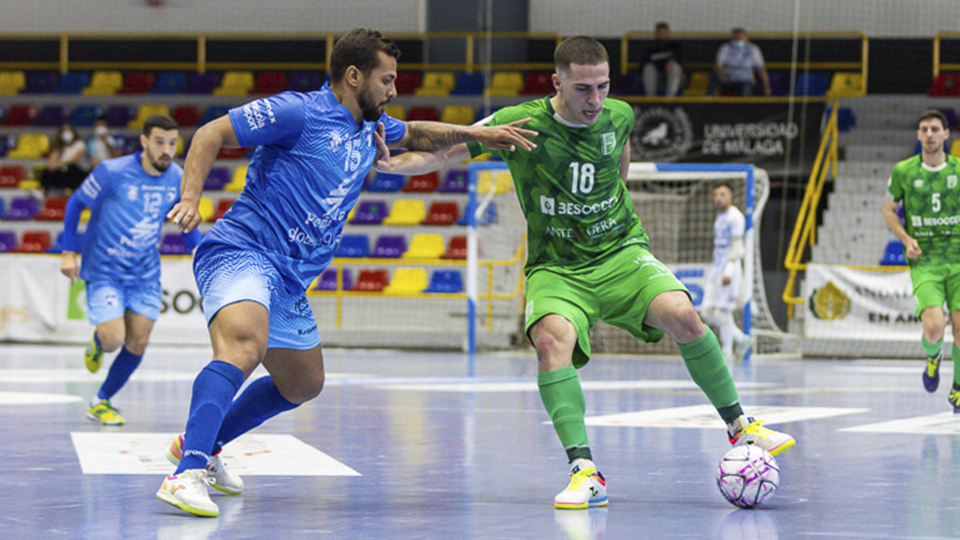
(196, 16)
(876, 18)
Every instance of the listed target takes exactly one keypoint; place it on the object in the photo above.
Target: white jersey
(729, 224)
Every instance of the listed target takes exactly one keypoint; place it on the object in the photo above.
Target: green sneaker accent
(93, 356)
(105, 413)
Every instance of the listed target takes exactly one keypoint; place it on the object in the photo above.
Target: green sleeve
(895, 184)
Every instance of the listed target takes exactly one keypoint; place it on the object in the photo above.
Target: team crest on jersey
(335, 140)
(609, 143)
(952, 181)
(132, 193)
(918, 183)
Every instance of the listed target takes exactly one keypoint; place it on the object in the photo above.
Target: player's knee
(308, 386)
(110, 341)
(686, 326)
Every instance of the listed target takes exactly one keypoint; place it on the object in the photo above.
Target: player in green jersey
(588, 257)
(926, 184)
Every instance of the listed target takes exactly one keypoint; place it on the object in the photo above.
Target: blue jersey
(127, 210)
(310, 164)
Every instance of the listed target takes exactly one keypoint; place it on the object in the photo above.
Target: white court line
(705, 416)
(465, 384)
(33, 398)
(946, 423)
(48, 376)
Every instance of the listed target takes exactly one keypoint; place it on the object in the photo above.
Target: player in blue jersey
(129, 198)
(313, 153)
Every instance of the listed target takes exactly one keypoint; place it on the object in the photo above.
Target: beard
(371, 111)
(157, 164)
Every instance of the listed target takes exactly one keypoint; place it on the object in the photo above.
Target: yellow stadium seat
(235, 83)
(845, 84)
(699, 81)
(11, 82)
(505, 83)
(206, 208)
(146, 111)
(462, 115)
(955, 148)
(406, 212)
(29, 183)
(396, 111)
(30, 146)
(425, 246)
(407, 281)
(501, 181)
(104, 83)
(238, 181)
(436, 83)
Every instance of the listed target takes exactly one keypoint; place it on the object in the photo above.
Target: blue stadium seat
(468, 84)
(893, 255)
(73, 82)
(170, 82)
(212, 113)
(383, 182)
(354, 246)
(812, 84)
(445, 281)
(84, 115)
(846, 120)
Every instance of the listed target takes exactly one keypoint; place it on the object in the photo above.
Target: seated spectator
(661, 69)
(67, 165)
(739, 64)
(103, 145)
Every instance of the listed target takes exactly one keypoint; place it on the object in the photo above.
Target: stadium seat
(353, 246)
(11, 175)
(20, 114)
(631, 84)
(146, 111)
(699, 82)
(21, 209)
(328, 280)
(845, 85)
(269, 82)
(396, 111)
(40, 82)
(423, 112)
(119, 116)
(186, 116)
(846, 119)
(436, 84)
(35, 242)
(425, 246)
(385, 182)
(456, 248)
(539, 83)
(213, 112)
(235, 83)
(422, 183)
(441, 213)
(371, 281)
(455, 181)
(946, 85)
(222, 206)
(73, 82)
(8, 241)
(30, 146)
(407, 281)
(505, 83)
(232, 153)
(53, 209)
(950, 114)
(406, 212)
(812, 84)
(238, 181)
(202, 83)
(779, 84)
(6, 143)
(488, 217)
(407, 82)
(52, 116)
(370, 213)
(12, 82)
(304, 81)
(84, 115)
(205, 207)
(217, 179)
(389, 246)
(462, 115)
(170, 82)
(104, 83)
(445, 281)
(893, 254)
(138, 82)
(468, 84)
(173, 244)
(500, 181)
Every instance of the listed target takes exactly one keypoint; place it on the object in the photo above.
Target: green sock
(955, 357)
(707, 368)
(931, 350)
(563, 398)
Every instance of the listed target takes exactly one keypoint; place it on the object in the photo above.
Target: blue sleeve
(394, 129)
(192, 239)
(71, 218)
(276, 120)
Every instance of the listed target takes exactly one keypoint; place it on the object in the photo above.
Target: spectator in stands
(66, 165)
(661, 66)
(103, 145)
(738, 66)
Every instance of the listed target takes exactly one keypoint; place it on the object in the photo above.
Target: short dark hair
(738, 30)
(725, 184)
(359, 48)
(662, 24)
(933, 113)
(581, 50)
(160, 121)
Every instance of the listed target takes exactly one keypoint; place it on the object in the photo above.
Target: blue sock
(213, 390)
(257, 404)
(120, 371)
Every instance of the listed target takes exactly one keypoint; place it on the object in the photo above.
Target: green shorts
(935, 284)
(617, 290)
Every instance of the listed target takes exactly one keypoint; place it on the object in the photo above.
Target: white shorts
(720, 296)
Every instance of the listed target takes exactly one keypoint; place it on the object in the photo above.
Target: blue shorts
(109, 300)
(227, 274)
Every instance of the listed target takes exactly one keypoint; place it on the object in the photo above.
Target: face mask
(739, 44)
(100, 130)
(66, 137)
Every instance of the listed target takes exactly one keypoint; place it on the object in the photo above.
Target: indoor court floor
(405, 445)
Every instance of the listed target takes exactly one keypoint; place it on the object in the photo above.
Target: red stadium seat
(371, 281)
(946, 85)
(269, 82)
(407, 82)
(422, 183)
(11, 175)
(222, 206)
(186, 115)
(53, 209)
(137, 82)
(457, 248)
(442, 213)
(20, 114)
(423, 112)
(35, 242)
(539, 83)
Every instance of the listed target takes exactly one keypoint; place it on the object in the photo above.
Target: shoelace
(577, 480)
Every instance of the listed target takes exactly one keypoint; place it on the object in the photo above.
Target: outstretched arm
(432, 136)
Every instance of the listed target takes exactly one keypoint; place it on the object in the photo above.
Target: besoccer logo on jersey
(916, 221)
(548, 205)
(609, 143)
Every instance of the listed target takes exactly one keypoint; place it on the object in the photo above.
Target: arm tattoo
(432, 136)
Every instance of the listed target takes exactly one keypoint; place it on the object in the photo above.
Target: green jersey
(931, 207)
(577, 207)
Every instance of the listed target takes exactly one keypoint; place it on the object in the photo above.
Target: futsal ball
(747, 475)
